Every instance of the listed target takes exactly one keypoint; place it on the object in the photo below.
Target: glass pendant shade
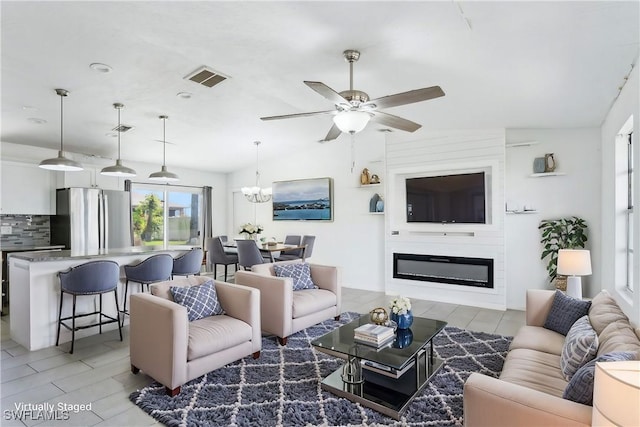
(164, 174)
(351, 121)
(118, 170)
(256, 194)
(61, 163)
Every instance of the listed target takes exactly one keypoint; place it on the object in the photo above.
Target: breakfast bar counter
(35, 291)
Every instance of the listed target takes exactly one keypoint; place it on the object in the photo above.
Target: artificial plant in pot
(563, 233)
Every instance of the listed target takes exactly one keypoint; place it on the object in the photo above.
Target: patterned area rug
(282, 387)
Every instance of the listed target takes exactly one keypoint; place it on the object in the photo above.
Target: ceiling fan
(354, 109)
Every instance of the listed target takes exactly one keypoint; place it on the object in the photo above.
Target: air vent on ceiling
(206, 77)
(122, 128)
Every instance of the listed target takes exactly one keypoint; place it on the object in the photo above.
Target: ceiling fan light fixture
(351, 121)
(118, 170)
(256, 194)
(164, 175)
(61, 163)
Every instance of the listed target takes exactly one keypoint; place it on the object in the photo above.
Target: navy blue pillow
(580, 388)
(201, 301)
(564, 312)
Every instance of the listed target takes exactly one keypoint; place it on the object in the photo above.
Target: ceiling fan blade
(328, 93)
(334, 132)
(395, 121)
(291, 116)
(405, 98)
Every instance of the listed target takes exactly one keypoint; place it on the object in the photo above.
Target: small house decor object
(380, 205)
(549, 163)
(401, 312)
(563, 233)
(365, 178)
(375, 179)
(251, 230)
(373, 203)
(539, 165)
(379, 316)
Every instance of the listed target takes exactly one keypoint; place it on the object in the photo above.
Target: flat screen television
(456, 199)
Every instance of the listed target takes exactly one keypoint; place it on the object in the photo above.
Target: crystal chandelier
(256, 194)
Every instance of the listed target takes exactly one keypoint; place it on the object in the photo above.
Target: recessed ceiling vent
(206, 77)
(122, 128)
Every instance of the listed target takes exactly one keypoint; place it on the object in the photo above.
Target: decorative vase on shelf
(404, 321)
(380, 205)
(373, 202)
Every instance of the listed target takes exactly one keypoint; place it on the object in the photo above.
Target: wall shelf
(543, 174)
(521, 144)
(521, 212)
(379, 184)
(376, 213)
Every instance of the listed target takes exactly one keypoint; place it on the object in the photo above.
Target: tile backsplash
(25, 230)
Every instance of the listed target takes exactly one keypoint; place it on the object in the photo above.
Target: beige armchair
(283, 311)
(172, 350)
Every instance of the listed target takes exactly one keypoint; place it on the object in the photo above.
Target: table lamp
(574, 263)
(616, 393)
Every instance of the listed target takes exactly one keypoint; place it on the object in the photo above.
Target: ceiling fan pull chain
(353, 157)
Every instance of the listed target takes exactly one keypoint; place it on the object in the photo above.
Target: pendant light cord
(61, 121)
(119, 131)
(257, 165)
(164, 141)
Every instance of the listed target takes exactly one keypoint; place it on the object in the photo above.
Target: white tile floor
(99, 372)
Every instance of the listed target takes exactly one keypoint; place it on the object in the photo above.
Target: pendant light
(164, 174)
(118, 169)
(256, 194)
(61, 163)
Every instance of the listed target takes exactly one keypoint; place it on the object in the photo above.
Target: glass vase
(404, 321)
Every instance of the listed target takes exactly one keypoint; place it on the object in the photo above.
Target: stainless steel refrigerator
(89, 220)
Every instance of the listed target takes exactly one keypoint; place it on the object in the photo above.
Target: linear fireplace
(476, 272)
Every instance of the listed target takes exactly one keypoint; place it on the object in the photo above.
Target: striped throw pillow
(580, 346)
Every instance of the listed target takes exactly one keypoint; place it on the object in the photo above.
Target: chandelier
(256, 194)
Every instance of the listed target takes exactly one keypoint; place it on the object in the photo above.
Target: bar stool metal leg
(115, 291)
(73, 325)
(59, 317)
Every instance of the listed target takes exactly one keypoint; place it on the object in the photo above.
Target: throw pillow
(200, 301)
(580, 388)
(299, 272)
(580, 346)
(564, 312)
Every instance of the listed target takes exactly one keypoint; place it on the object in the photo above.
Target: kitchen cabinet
(26, 189)
(90, 178)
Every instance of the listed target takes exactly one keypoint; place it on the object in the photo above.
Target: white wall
(578, 193)
(626, 105)
(354, 240)
(29, 157)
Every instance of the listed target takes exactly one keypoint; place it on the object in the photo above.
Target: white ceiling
(517, 65)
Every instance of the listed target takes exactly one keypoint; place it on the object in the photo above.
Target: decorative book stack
(374, 335)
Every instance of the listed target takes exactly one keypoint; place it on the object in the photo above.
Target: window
(624, 189)
(165, 216)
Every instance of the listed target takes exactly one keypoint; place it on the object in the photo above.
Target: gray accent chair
(173, 351)
(91, 278)
(284, 311)
(154, 269)
(217, 256)
(189, 263)
(249, 254)
(307, 241)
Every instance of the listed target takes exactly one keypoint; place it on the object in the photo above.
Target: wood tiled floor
(98, 371)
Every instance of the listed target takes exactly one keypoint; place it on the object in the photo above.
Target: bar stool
(156, 268)
(91, 278)
(188, 263)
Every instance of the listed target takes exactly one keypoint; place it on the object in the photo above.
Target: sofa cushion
(300, 273)
(580, 388)
(201, 301)
(162, 289)
(215, 333)
(564, 312)
(604, 310)
(309, 301)
(618, 336)
(580, 347)
(535, 370)
(537, 338)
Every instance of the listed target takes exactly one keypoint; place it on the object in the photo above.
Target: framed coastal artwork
(303, 200)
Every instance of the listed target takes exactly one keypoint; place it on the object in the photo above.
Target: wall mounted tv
(456, 199)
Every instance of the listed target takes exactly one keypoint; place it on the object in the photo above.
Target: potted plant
(563, 233)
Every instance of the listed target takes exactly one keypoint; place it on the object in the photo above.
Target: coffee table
(386, 379)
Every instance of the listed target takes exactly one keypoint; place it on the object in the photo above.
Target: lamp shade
(61, 163)
(351, 121)
(574, 262)
(118, 170)
(616, 393)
